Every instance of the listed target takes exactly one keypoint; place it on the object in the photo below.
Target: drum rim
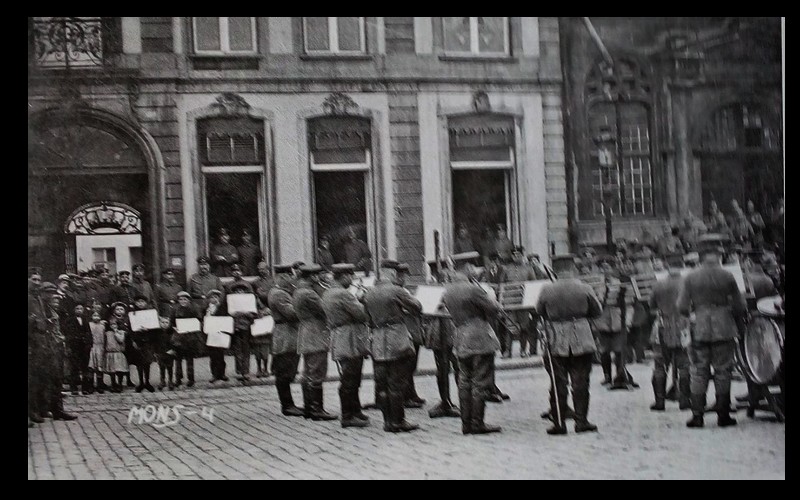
(744, 359)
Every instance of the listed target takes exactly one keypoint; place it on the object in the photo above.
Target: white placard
(530, 295)
(262, 326)
(430, 297)
(241, 302)
(146, 319)
(216, 324)
(187, 325)
(218, 339)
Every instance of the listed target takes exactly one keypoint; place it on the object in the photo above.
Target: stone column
(683, 149)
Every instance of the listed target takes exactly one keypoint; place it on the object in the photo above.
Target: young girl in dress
(116, 365)
(97, 354)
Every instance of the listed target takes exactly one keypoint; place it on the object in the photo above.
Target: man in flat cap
(387, 303)
(284, 338)
(566, 306)
(347, 321)
(712, 294)
(223, 254)
(313, 340)
(202, 282)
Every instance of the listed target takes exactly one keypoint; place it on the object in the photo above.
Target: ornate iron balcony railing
(68, 42)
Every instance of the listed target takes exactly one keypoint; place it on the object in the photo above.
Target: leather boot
(36, 418)
(659, 391)
(466, 413)
(307, 404)
(684, 393)
(698, 408)
(318, 413)
(605, 364)
(287, 402)
(723, 411)
(478, 413)
(444, 409)
(356, 403)
(382, 402)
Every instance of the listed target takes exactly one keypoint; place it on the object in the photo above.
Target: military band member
(50, 361)
(496, 274)
(519, 270)
(666, 341)
(284, 338)
(609, 327)
(347, 321)
(313, 340)
(472, 310)
(202, 282)
(713, 295)
(567, 305)
(167, 293)
(142, 285)
(414, 325)
(223, 254)
(391, 346)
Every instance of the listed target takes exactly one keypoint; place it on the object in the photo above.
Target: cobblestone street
(241, 434)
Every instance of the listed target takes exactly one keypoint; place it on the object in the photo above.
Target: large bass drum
(761, 350)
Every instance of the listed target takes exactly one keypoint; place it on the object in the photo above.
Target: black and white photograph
(406, 248)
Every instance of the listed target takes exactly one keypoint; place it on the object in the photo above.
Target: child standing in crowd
(185, 344)
(115, 363)
(78, 342)
(216, 355)
(164, 353)
(97, 354)
(241, 336)
(141, 348)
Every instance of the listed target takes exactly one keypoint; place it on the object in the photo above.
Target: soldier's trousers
(390, 389)
(720, 355)
(285, 366)
(475, 385)
(663, 357)
(241, 351)
(349, 385)
(49, 381)
(445, 359)
(575, 371)
(315, 368)
(411, 390)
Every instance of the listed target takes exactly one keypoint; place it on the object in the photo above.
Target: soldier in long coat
(567, 306)
(473, 310)
(712, 294)
(666, 340)
(391, 345)
(167, 293)
(223, 254)
(142, 285)
(347, 322)
(202, 282)
(284, 338)
(51, 354)
(313, 340)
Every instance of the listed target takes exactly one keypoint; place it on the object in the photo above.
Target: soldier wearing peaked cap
(712, 294)
(387, 303)
(167, 293)
(51, 354)
(284, 338)
(567, 305)
(313, 340)
(202, 281)
(414, 324)
(142, 285)
(347, 321)
(223, 254)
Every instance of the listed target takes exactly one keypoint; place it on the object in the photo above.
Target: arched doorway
(90, 166)
(104, 234)
(739, 149)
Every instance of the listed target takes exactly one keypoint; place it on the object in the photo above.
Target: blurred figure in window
(249, 254)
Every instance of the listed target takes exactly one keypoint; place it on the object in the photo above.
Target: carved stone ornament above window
(338, 103)
(229, 103)
(480, 102)
(104, 218)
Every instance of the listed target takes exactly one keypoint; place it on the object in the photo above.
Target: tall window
(476, 35)
(334, 35)
(620, 141)
(232, 159)
(224, 35)
(482, 173)
(341, 163)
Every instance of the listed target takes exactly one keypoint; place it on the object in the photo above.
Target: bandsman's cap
(310, 269)
(340, 269)
(298, 264)
(284, 268)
